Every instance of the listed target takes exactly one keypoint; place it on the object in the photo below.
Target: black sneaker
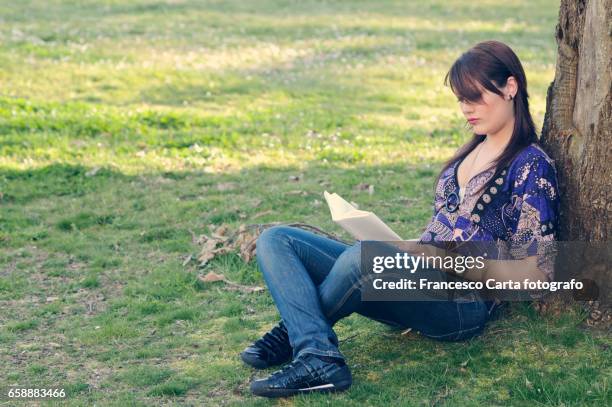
(306, 374)
(270, 350)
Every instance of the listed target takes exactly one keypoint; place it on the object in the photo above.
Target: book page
(362, 225)
(340, 208)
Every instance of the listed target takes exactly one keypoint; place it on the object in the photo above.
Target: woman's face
(493, 112)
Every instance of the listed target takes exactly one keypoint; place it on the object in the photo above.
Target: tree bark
(577, 131)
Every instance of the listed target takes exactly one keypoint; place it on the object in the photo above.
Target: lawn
(130, 128)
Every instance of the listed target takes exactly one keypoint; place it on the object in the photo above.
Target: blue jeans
(315, 281)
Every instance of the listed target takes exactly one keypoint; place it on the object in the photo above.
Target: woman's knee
(349, 262)
(272, 235)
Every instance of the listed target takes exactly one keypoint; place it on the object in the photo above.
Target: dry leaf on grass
(221, 242)
(187, 260)
(365, 187)
(243, 240)
(213, 244)
(221, 233)
(213, 277)
(246, 242)
(208, 252)
(263, 213)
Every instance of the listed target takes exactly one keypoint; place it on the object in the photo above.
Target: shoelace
(292, 369)
(274, 340)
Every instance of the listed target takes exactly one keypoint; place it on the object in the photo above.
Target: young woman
(499, 187)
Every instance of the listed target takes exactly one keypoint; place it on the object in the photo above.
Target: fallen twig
(213, 277)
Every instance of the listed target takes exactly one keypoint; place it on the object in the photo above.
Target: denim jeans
(315, 281)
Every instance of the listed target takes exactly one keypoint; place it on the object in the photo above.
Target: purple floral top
(519, 205)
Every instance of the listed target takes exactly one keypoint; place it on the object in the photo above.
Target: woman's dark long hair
(489, 64)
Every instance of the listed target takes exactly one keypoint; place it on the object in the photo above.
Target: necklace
(469, 178)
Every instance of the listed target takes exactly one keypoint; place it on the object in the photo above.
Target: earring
(510, 97)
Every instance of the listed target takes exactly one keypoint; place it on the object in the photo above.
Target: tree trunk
(576, 131)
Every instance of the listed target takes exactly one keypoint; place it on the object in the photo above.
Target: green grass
(121, 123)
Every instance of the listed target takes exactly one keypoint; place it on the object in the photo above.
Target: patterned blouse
(518, 208)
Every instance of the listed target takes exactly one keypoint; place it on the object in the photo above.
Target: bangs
(467, 81)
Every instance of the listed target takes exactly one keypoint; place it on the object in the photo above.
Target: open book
(362, 225)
